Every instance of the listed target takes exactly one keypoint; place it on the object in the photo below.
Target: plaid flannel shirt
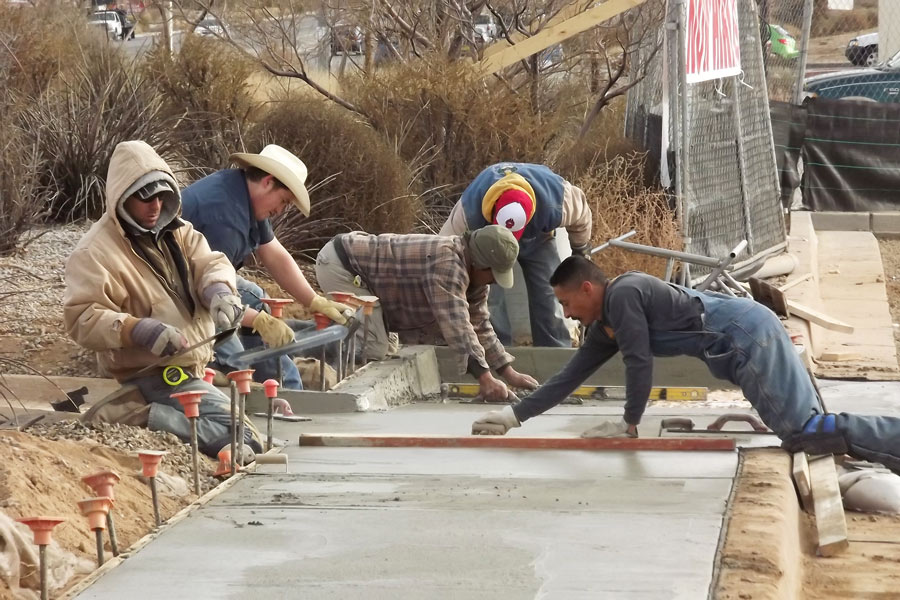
(423, 284)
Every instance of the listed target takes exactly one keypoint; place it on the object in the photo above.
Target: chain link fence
(721, 134)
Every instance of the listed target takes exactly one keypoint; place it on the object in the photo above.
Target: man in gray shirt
(738, 339)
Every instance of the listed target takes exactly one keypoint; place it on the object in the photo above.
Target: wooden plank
(556, 34)
(830, 522)
(502, 43)
(794, 282)
(821, 319)
(800, 472)
(525, 443)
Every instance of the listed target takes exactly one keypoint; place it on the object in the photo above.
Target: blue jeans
(538, 260)
(250, 294)
(745, 343)
(167, 414)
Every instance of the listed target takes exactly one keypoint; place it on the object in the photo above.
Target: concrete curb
(879, 223)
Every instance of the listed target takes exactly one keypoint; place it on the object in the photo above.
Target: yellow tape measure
(174, 375)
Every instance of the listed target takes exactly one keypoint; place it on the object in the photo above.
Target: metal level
(599, 392)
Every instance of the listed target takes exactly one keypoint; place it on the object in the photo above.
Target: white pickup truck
(863, 49)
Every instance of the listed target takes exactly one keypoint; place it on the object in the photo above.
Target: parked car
(781, 43)
(109, 21)
(486, 28)
(878, 84)
(863, 49)
(210, 26)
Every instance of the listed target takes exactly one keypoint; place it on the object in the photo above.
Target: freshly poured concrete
(445, 523)
(378, 523)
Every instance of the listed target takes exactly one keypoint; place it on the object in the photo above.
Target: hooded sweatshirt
(120, 272)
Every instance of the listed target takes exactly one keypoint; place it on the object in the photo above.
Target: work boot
(819, 436)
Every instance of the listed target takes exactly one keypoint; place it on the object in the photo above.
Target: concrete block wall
(880, 223)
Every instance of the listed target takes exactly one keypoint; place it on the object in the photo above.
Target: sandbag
(870, 488)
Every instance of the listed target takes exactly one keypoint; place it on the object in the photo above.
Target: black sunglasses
(152, 198)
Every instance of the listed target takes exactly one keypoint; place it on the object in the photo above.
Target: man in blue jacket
(531, 201)
(232, 208)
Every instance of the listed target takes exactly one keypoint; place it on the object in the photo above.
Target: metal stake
(42, 554)
(195, 458)
(365, 337)
(234, 401)
(98, 533)
(280, 373)
(340, 360)
(241, 428)
(269, 423)
(322, 370)
(155, 497)
(111, 528)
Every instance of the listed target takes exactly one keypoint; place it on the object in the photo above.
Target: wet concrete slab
(445, 523)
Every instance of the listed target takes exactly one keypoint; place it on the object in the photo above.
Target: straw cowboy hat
(283, 166)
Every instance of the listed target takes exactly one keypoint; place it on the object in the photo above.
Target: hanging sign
(713, 44)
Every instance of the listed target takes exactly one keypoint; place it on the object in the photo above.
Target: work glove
(273, 331)
(335, 311)
(225, 307)
(157, 337)
(496, 422)
(609, 429)
(582, 250)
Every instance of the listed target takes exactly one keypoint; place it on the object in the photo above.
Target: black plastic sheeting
(850, 152)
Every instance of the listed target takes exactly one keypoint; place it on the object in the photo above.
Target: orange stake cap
(209, 375)
(224, 466)
(321, 321)
(102, 483)
(276, 304)
(346, 298)
(271, 388)
(41, 527)
(95, 509)
(190, 402)
(242, 379)
(150, 460)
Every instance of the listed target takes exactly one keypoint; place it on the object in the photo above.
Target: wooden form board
(831, 524)
(599, 392)
(801, 479)
(554, 34)
(524, 443)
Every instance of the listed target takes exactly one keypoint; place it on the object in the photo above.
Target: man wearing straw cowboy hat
(232, 209)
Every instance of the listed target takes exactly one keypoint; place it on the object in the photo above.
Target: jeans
(745, 343)
(538, 259)
(213, 424)
(250, 294)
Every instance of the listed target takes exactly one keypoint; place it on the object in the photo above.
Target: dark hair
(254, 174)
(575, 270)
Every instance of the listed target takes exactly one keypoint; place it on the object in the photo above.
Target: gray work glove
(582, 250)
(609, 429)
(157, 337)
(496, 422)
(225, 307)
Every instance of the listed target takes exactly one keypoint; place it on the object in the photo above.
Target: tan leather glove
(273, 331)
(331, 309)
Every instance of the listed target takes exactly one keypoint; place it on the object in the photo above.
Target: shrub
(78, 121)
(357, 181)
(205, 88)
(619, 203)
(20, 164)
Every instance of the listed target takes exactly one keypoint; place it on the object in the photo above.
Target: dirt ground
(890, 258)
(42, 477)
(769, 549)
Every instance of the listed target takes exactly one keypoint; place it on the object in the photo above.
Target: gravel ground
(130, 439)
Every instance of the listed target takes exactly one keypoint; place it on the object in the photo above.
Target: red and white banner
(713, 44)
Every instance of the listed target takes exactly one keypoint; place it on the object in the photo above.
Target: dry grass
(620, 203)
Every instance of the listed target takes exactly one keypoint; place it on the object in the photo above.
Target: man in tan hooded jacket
(143, 284)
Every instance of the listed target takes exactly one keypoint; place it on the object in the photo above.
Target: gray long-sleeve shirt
(634, 306)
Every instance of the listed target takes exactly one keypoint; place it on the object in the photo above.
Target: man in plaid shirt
(430, 289)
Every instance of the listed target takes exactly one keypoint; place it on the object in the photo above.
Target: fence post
(804, 50)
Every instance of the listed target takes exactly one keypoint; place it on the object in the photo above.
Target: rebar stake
(195, 458)
(98, 533)
(111, 527)
(155, 496)
(234, 401)
(42, 557)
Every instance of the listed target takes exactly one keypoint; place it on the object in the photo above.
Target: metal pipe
(365, 337)
(696, 259)
(280, 373)
(111, 528)
(670, 266)
(681, 166)
(723, 264)
(42, 556)
(98, 534)
(322, 369)
(234, 401)
(605, 245)
(804, 51)
(340, 360)
(195, 458)
(155, 496)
